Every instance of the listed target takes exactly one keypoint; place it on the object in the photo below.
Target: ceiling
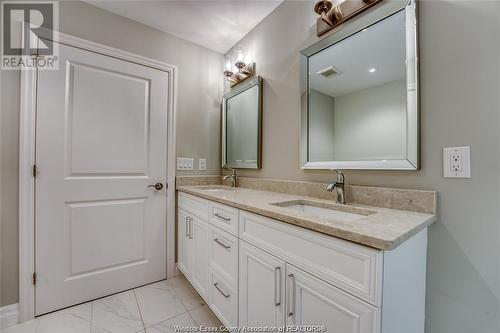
(381, 47)
(217, 25)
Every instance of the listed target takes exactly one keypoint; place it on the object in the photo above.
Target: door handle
(216, 285)
(187, 226)
(277, 286)
(291, 294)
(157, 186)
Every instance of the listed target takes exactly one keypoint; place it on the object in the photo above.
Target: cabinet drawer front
(194, 205)
(354, 268)
(224, 217)
(311, 301)
(224, 301)
(224, 254)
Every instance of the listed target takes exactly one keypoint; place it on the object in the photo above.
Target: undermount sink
(217, 188)
(326, 210)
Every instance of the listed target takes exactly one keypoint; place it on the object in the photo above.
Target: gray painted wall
(321, 127)
(370, 124)
(199, 94)
(460, 105)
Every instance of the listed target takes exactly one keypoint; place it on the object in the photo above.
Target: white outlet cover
(202, 164)
(456, 162)
(180, 162)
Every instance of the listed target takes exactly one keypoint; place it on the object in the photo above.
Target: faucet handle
(340, 175)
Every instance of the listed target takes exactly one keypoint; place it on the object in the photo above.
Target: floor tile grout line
(181, 314)
(177, 295)
(140, 312)
(202, 300)
(169, 318)
(194, 321)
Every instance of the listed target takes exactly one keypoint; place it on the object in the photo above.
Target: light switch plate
(456, 162)
(185, 163)
(202, 164)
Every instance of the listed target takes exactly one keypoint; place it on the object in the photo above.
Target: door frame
(27, 141)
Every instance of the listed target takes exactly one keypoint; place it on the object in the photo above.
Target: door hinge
(34, 170)
(34, 279)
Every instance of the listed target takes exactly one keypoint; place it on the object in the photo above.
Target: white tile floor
(154, 308)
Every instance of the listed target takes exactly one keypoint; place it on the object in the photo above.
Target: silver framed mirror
(242, 126)
(359, 93)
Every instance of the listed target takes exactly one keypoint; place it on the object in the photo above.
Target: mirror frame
(256, 81)
(377, 14)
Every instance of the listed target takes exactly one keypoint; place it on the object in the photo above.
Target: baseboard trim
(9, 315)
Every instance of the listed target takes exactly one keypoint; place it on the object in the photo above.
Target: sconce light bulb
(240, 56)
(229, 66)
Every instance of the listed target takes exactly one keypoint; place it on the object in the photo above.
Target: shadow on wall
(450, 306)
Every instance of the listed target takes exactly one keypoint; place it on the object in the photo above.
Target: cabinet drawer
(194, 205)
(224, 301)
(354, 268)
(224, 217)
(224, 254)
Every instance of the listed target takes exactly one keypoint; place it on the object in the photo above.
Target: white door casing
(94, 176)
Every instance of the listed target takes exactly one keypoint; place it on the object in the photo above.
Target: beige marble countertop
(383, 229)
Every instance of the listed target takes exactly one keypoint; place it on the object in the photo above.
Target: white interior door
(101, 140)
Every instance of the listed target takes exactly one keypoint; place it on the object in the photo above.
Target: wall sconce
(245, 68)
(332, 15)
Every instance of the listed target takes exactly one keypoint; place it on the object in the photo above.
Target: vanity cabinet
(200, 271)
(185, 243)
(311, 301)
(193, 239)
(262, 288)
(256, 271)
(193, 236)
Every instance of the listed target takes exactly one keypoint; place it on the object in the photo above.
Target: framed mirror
(242, 126)
(360, 94)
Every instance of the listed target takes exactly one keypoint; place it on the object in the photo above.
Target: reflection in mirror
(361, 106)
(242, 126)
(357, 96)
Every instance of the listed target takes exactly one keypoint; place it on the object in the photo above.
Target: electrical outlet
(184, 163)
(456, 162)
(202, 164)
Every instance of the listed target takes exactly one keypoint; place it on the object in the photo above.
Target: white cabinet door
(311, 301)
(185, 244)
(261, 288)
(101, 141)
(200, 235)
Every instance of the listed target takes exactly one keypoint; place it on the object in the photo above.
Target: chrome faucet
(233, 177)
(339, 185)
